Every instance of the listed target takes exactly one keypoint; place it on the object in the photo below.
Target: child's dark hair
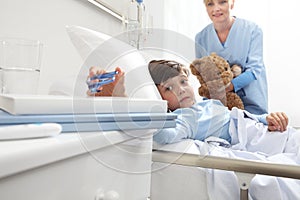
(162, 70)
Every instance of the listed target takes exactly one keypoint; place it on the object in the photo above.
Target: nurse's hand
(277, 121)
(116, 88)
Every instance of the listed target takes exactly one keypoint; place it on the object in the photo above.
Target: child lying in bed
(196, 120)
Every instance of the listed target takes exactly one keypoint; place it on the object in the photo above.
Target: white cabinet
(86, 166)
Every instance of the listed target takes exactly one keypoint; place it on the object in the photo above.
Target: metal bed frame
(244, 169)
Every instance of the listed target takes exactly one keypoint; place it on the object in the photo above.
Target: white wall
(46, 21)
(279, 21)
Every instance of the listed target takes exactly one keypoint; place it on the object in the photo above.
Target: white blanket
(251, 140)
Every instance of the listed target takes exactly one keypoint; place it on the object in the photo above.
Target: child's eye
(223, 2)
(184, 81)
(210, 4)
(170, 88)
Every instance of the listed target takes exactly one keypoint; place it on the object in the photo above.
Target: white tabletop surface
(21, 155)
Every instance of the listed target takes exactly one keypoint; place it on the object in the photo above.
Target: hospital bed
(180, 170)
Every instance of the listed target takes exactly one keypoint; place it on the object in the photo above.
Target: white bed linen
(253, 142)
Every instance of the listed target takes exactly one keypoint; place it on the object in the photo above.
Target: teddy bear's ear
(193, 69)
(195, 66)
(196, 62)
(213, 54)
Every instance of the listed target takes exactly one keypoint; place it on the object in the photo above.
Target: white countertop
(20, 155)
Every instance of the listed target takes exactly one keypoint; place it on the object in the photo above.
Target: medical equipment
(19, 124)
(103, 79)
(96, 154)
(60, 104)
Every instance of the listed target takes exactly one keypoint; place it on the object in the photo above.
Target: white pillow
(85, 40)
(98, 49)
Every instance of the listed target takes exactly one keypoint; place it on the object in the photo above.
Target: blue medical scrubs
(243, 46)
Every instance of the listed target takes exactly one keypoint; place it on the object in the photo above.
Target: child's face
(178, 92)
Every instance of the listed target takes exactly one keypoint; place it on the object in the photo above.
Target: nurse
(240, 42)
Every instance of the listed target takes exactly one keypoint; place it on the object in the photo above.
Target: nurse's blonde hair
(208, 1)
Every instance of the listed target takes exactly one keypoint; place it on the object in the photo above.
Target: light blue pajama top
(206, 118)
(243, 46)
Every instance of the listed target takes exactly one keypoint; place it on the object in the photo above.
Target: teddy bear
(215, 74)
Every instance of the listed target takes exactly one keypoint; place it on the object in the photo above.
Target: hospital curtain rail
(228, 164)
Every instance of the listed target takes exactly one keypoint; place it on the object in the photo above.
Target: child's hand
(277, 121)
(115, 88)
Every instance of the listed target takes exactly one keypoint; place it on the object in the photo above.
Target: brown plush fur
(214, 75)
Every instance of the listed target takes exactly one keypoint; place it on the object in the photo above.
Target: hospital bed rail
(244, 169)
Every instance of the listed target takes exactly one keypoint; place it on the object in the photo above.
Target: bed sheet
(252, 142)
(176, 182)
